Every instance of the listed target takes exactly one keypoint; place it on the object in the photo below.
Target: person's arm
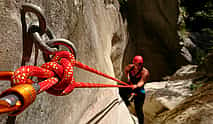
(127, 69)
(144, 78)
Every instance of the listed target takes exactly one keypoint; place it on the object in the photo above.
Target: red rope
(86, 67)
(91, 85)
(57, 75)
(45, 85)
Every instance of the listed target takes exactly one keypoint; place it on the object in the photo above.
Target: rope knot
(62, 64)
(58, 74)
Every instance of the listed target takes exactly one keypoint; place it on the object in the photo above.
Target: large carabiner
(38, 12)
(27, 36)
(57, 42)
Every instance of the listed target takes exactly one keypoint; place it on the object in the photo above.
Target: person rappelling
(137, 76)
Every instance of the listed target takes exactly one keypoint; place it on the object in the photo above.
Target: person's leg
(139, 101)
(124, 92)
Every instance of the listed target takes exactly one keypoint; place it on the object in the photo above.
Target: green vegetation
(198, 14)
(122, 2)
(195, 86)
(197, 18)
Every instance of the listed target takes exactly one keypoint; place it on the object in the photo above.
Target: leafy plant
(199, 14)
(197, 18)
(195, 86)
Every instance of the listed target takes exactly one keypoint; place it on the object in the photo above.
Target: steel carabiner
(27, 36)
(38, 12)
(63, 42)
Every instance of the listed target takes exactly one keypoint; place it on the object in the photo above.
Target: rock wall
(174, 102)
(152, 27)
(98, 30)
(197, 109)
(166, 95)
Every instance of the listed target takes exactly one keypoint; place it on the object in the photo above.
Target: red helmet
(138, 59)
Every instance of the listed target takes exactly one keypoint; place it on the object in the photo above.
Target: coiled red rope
(58, 75)
(54, 77)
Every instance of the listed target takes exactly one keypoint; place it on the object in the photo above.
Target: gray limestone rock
(97, 28)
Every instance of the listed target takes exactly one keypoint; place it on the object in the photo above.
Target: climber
(137, 76)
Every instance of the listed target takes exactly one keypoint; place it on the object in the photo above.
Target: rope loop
(67, 62)
(60, 67)
(54, 77)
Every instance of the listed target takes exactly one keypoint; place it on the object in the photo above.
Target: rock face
(98, 29)
(197, 109)
(206, 66)
(166, 95)
(152, 27)
(172, 101)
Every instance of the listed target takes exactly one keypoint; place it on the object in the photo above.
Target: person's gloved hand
(134, 87)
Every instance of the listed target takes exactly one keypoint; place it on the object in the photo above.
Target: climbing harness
(55, 76)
